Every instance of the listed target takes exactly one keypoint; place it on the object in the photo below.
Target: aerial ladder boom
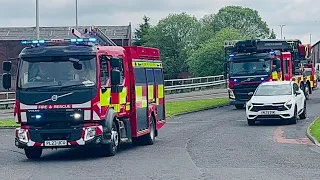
(102, 38)
(95, 32)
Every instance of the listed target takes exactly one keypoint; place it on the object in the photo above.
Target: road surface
(213, 93)
(213, 144)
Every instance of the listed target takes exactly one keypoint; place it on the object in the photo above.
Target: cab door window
(104, 73)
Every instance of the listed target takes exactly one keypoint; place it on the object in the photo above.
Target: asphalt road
(213, 144)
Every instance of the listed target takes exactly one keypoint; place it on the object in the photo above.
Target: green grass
(179, 107)
(315, 129)
(8, 123)
(172, 108)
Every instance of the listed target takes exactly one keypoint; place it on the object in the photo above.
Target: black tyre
(112, 148)
(251, 122)
(307, 91)
(293, 120)
(149, 138)
(33, 153)
(239, 106)
(303, 115)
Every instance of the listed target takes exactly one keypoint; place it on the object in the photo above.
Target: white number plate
(56, 143)
(268, 112)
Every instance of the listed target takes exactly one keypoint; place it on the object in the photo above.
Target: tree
(142, 31)
(208, 59)
(272, 35)
(246, 20)
(174, 35)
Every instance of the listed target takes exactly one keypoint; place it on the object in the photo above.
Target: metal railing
(7, 99)
(193, 84)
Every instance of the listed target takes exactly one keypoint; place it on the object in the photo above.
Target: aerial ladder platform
(94, 32)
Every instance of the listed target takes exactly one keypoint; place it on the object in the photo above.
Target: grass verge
(172, 108)
(315, 129)
(180, 107)
(8, 123)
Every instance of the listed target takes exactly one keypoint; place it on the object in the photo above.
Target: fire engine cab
(77, 93)
(250, 62)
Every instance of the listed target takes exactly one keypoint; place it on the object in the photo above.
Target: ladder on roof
(231, 43)
(94, 32)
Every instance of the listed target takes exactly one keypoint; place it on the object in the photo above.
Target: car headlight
(288, 104)
(249, 105)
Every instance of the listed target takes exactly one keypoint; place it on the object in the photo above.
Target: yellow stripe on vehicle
(147, 64)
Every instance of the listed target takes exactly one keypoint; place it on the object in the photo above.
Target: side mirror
(298, 92)
(6, 80)
(250, 93)
(115, 62)
(115, 77)
(6, 66)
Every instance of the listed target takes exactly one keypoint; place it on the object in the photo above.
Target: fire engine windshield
(241, 68)
(49, 72)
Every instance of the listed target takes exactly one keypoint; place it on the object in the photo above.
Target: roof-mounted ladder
(94, 32)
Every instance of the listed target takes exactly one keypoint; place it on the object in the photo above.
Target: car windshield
(64, 71)
(249, 67)
(274, 90)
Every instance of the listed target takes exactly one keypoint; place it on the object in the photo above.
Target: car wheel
(293, 120)
(303, 115)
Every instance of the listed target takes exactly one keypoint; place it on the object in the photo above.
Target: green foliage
(142, 31)
(209, 58)
(174, 35)
(191, 45)
(246, 20)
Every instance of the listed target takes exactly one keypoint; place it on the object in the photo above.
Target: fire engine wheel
(33, 153)
(149, 138)
(112, 148)
(307, 91)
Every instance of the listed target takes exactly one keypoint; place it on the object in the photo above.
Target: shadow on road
(77, 154)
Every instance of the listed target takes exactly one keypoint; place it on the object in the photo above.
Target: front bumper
(61, 138)
(277, 115)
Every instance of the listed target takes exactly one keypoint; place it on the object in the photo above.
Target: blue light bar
(76, 41)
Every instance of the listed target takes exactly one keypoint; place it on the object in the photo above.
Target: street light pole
(310, 38)
(37, 20)
(281, 26)
(77, 14)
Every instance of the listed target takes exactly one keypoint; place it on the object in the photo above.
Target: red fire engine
(76, 93)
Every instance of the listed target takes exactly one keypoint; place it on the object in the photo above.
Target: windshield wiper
(39, 87)
(77, 85)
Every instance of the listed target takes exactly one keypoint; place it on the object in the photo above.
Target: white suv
(282, 100)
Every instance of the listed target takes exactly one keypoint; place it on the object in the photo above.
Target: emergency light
(76, 41)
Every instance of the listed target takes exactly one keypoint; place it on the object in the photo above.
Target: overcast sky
(301, 17)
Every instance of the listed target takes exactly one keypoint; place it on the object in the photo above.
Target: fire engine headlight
(22, 135)
(231, 94)
(76, 115)
(90, 133)
(288, 104)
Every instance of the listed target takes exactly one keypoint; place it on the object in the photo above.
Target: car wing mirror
(250, 93)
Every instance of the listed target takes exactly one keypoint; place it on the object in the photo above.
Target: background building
(10, 39)
(315, 55)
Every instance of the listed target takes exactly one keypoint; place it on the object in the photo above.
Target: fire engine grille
(241, 91)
